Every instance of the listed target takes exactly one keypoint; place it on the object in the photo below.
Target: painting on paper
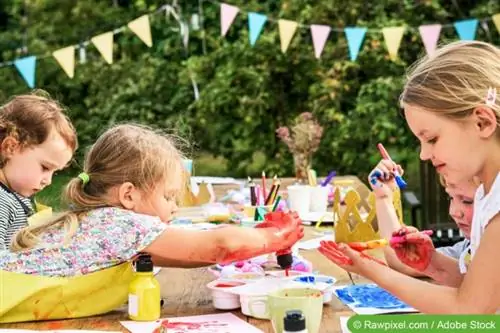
(214, 323)
(371, 299)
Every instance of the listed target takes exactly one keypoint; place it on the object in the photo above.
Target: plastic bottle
(144, 292)
(295, 322)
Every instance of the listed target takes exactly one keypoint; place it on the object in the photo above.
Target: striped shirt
(12, 215)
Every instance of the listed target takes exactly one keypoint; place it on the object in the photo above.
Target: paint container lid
(294, 321)
(144, 263)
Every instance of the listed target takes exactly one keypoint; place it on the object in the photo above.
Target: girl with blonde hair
(451, 105)
(119, 207)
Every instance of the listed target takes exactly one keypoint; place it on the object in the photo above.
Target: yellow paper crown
(356, 222)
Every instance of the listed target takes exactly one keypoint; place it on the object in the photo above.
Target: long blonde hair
(124, 153)
(455, 79)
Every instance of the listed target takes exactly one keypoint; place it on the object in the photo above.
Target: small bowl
(282, 274)
(247, 277)
(222, 299)
(321, 282)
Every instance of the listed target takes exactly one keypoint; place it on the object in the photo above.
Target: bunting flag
(496, 20)
(466, 29)
(287, 30)
(140, 26)
(104, 44)
(227, 15)
(430, 36)
(355, 37)
(27, 67)
(392, 37)
(256, 22)
(66, 58)
(319, 36)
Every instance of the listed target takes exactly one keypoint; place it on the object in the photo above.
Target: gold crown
(356, 222)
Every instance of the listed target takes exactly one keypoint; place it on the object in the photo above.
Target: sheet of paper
(312, 244)
(53, 331)
(370, 299)
(216, 180)
(343, 324)
(214, 323)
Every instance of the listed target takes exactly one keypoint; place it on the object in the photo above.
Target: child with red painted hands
(120, 206)
(451, 105)
(446, 261)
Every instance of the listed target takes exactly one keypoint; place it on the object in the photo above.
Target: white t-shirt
(485, 208)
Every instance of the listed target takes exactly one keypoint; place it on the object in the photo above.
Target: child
(120, 206)
(450, 104)
(447, 260)
(36, 140)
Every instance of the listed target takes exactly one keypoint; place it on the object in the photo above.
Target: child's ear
(9, 147)
(485, 121)
(129, 195)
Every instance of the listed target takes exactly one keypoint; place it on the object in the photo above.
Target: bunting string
(393, 35)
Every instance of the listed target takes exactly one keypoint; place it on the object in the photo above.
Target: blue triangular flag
(355, 37)
(256, 22)
(466, 29)
(26, 67)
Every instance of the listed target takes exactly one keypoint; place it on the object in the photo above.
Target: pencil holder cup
(249, 210)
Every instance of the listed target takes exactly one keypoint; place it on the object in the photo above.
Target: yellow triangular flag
(66, 58)
(104, 44)
(393, 36)
(496, 20)
(287, 30)
(140, 26)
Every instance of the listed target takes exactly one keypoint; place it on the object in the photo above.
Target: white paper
(53, 331)
(216, 180)
(217, 323)
(343, 324)
(313, 244)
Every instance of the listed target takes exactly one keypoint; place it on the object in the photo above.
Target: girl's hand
(417, 250)
(381, 178)
(347, 258)
(286, 229)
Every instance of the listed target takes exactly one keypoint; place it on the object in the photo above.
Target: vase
(302, 164)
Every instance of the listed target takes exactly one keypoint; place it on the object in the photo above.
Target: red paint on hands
(282, 231)
(417, 249)
(330, 250)
(286, 229)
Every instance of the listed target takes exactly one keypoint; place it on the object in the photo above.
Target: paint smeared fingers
(335, 256)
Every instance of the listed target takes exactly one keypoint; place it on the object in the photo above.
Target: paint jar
(295, 322)
(144, 302)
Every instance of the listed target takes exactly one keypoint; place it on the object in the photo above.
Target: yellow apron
(42, 213)
(26, 297)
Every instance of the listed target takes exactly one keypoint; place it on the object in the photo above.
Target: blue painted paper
(370, 296)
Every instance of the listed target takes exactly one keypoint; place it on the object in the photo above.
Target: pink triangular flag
(227, 15)
(430, 36)
(319, 35)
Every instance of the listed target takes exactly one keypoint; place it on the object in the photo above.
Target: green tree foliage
(245, 92)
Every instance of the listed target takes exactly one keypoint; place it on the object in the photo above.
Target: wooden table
(185, 294)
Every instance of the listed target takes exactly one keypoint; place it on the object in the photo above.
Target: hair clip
(491, 97)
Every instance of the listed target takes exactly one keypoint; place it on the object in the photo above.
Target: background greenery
(245, 92)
